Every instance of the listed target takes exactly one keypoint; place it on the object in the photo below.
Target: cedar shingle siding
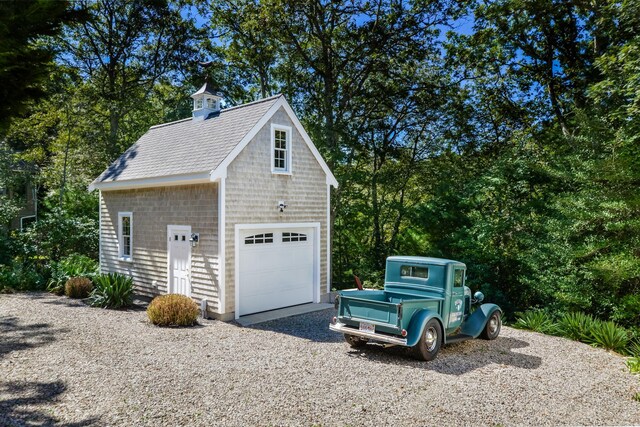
(153, 209)
(253, 192)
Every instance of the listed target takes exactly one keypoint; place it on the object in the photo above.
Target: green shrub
(19, 276)
(75, 265)
(608, 335)
(113, 290)
(576, 326)
(633, 363)
(173, 310)
(536, 320)
(78, 287)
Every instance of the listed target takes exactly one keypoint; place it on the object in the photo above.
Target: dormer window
(198, 104)
(280, 149)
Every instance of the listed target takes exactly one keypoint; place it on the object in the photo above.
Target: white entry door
(276, 268)
(179, 259)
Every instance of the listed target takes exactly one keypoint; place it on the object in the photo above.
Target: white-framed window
(293, 237)
(259, 239)
(280, 149)
(125, 236)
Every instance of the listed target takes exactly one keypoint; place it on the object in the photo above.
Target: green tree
(25, 58)
(121, 52)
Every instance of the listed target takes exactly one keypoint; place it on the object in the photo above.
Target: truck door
(456, 307)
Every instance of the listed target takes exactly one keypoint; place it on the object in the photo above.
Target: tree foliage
(503, 133)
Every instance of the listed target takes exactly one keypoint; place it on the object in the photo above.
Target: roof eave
(160, 181)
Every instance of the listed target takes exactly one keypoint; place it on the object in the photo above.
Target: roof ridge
(170, 123)
(221, 111)
(252, 102)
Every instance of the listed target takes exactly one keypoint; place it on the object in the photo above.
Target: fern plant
(113, 290)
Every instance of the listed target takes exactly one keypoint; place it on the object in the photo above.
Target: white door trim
(316, 254)
(179, 228)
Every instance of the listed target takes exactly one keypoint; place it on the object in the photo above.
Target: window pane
(125, 225)
(126, 246)
(421, 272)
(412, 271)
(458, 278)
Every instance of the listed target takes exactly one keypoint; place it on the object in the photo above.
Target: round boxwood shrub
(78, 287)
(173, 310)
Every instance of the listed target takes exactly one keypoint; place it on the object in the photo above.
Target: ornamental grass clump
(173, 310)
(536, 320)
(78, 287)
(576, 326)
(74, 265)
(610, 336)
(113, 290)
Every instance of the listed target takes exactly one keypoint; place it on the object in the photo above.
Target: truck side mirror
(478, 297)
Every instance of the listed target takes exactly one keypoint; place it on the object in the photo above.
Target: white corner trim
(222, 259)
(316, 254)
(160, 181)
(331, 180)
(328, 238)
(281, 102)
(100, 232)
(288, 170)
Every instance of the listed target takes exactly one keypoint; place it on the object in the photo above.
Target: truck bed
(390, 312)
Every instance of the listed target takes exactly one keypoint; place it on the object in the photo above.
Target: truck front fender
(475, 324)
(417, 324)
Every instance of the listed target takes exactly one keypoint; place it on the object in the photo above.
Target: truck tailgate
(367, 310)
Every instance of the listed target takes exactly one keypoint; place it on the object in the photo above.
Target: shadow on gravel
(456, 359)
(17, 336)
(20, 404)
(310, 326)
(51, 299)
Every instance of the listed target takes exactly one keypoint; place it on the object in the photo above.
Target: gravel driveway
(63, 363)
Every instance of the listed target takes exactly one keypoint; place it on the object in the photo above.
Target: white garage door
(276, 268)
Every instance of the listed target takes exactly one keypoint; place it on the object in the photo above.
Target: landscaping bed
(66, 363)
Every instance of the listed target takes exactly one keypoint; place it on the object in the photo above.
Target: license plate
(367, 327)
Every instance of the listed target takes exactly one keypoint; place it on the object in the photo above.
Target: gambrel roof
(195, 151)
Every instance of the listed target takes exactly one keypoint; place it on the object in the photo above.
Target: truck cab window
(458, 278)
(413, 271)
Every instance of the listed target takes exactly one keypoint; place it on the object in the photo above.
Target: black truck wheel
(492, 329)
(355, 341)
(430, 341)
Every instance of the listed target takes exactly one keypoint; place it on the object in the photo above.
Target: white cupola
(205, 101)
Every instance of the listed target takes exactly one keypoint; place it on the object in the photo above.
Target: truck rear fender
(475, 324)
(417, 324)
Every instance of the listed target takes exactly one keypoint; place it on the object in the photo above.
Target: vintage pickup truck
(424, 305)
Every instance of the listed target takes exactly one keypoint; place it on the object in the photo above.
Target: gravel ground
(64, 363)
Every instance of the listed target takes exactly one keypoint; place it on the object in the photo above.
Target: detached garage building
(229, 206)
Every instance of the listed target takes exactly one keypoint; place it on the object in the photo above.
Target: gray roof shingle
(187, 146)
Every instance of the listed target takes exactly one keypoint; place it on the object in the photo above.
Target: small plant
(576, 326)
(173, 310)
(608, 335)
(113, 290)
(636, 397)
(78, 287)
(75, 265)
(536, 320)
(633, 363)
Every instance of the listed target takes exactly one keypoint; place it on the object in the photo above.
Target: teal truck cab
(424, 305)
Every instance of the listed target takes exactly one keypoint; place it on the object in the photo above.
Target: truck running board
(457, 338)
